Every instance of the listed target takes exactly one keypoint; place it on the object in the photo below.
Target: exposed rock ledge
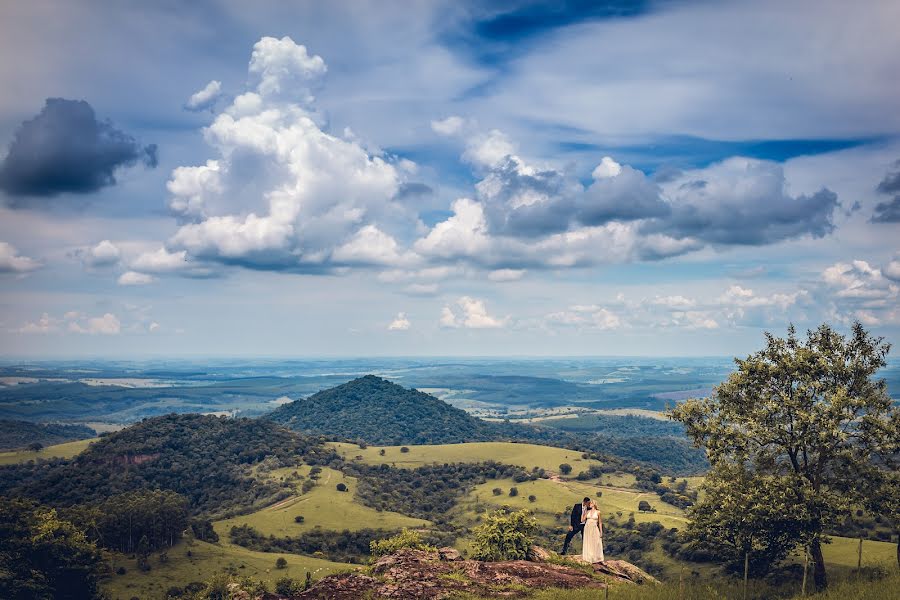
(414, 574)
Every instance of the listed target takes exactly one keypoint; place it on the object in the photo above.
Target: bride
(592, 551)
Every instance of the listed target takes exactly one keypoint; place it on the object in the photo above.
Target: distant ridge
(377, 411)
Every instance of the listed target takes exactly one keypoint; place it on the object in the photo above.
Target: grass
(553, 497)
(323, 507)
(66, 450)
(842, 552)
(205, 561)
(527, 456)
(849, 589)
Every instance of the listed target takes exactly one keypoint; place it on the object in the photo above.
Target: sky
(223, 178)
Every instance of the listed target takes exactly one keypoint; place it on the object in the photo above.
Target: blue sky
(444, 178)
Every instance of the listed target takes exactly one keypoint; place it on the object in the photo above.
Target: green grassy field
(322, 507)
(66, 450)
(205, 561)
(527, 456)
(553, 497)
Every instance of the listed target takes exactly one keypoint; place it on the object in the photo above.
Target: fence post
(746, 571)
(859, 558)
(805, 569)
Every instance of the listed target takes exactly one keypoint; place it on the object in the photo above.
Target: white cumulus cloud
(400, 323)
(205, 98)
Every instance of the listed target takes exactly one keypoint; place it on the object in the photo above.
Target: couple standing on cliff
(585, 519)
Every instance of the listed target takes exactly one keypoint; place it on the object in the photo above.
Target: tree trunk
(819, 577)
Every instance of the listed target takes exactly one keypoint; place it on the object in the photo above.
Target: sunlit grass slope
(66, 450)
(205, 561)
(527, 456)
(552, 497)
(323, 507)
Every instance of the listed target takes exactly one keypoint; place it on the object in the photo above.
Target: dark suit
(577, 526)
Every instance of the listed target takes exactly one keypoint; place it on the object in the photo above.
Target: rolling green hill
(66, 450)
(380, 412)
(206, 459)
(526, 456)
(19, 434)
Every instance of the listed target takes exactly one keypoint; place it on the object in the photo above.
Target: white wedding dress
(592, 549)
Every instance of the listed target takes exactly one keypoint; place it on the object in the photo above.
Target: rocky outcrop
(416, 574)
(624, 571)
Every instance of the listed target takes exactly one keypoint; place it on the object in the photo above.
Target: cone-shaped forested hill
(377, 411)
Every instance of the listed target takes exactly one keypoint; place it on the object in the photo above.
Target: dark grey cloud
(628, 196)
(887, 212)
(891, 182)
(66, 149)
(522, 201)
(742, 201)
(755, 222)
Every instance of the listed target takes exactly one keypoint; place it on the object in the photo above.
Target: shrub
(532, 498)
(121, 571)
(299, 519)
(288, 587)
(504, 536)
(404, 539)
(342, 487)
(281, 563)
(565, 468)
(513, 492)
(644, 506)
(404, 449)
(381, 452)
(497, 491)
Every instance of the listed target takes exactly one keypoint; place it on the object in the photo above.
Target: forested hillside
(203, 458)
(21, 434)
(376, 411)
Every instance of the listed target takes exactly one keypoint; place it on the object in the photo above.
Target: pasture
(555, 497)
(323, 507)
(526, 456)
(66, 450)
(204, 561)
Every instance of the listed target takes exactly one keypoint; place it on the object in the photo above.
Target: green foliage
(43, 557)
(203, 458)
(744, 512)
(428, 492)
(405, 539)
(119, 522)
(21, 434)
(644, 506)
(288, 587)
(281, 563)
(565, 468)
(513, 492)
(344, 546)
(381, 412)
(810, 413)
(341, 487)
(504, 536)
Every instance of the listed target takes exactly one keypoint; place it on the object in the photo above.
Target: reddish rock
(415, 574)
(449, 554)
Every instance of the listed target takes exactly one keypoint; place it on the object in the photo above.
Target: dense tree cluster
(43, 557)
(122, 521)
(427, 492)
(344, 546)
(206, 459)
(22, 434)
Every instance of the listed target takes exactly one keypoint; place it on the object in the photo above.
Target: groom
(575, 524)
